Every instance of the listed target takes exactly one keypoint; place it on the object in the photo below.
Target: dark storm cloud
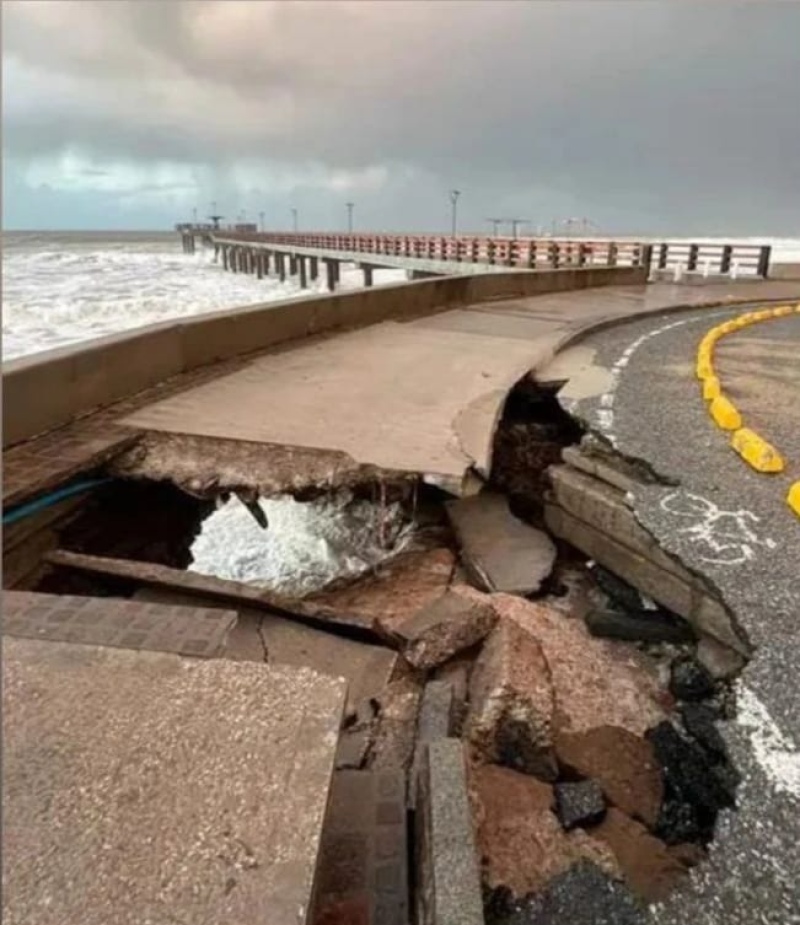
(674, 114)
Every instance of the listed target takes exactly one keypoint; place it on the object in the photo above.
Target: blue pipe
(53, 497)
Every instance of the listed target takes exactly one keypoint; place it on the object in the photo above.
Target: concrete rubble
(511, 703)
(499, 551)
(455, 622)
(535, 743)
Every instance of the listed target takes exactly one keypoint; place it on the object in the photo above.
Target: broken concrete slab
(398, 590)
(210, 778)
(222, 589)
(260, 636)
(511, 703)
(719, 660)
(623, 764)
(579, 803)
(594, 518)
(447, 876)
(594, 682)
(500, 552)
(520, 840)
(650, 870)
(616, 473)
(457, 620)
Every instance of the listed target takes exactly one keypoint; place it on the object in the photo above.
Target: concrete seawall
(50, 389)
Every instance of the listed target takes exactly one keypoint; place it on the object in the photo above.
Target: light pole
(194, 216)
(496, 222)
(350, 216)
(454, 194)
(294, 220)
(261, 220)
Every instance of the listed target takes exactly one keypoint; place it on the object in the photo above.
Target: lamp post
(261, 220)
(294, 220)
(454, 194)
(350, 206)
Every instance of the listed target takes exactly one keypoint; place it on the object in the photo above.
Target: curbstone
(449, 886)
(793, 498)
(725, 413)
(436, 720)
(711, 389)
(754, 450)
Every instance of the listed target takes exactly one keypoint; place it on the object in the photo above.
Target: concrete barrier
(50, 389)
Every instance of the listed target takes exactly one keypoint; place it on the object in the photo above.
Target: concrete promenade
(421, 397)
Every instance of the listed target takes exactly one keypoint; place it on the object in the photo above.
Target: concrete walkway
(635, 385)
(421, 397)
(144, 787)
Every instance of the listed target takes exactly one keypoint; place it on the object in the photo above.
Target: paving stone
(521, 842)
(114, 622)
(48, 462)
(511, 703)
(581, 803)
(447, 878)
(638, 625)
(363, 869)
(500, 552)
(583, 895)
(209, 778)
(457, 620)
(649, 868)
(623, 764)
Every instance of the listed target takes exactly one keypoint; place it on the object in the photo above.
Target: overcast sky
(641, 116)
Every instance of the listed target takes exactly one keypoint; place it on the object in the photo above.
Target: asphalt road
(732, 525)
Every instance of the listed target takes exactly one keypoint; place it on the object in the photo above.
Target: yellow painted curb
(704, 368)
(710, 388)
(793, 498)
(725, 413)
(755, 451)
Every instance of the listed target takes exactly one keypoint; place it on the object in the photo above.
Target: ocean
(62, 288)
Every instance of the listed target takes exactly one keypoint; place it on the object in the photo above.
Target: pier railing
(536, 253)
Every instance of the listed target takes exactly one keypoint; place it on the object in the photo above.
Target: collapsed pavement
(560, 713)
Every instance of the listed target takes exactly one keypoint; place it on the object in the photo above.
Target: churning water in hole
(306, 545)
